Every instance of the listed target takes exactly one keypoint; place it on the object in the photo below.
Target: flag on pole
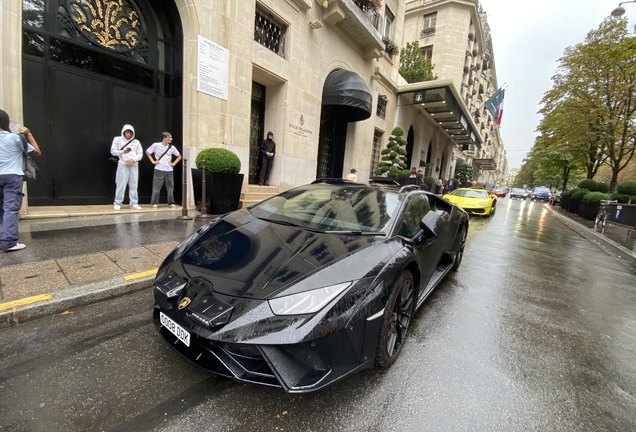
(495, 105)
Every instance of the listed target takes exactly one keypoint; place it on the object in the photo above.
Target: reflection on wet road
(536, 332)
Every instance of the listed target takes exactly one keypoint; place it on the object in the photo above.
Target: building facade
(223, 73)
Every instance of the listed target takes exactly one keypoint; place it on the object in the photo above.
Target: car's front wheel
(397, 317)
(459, 253)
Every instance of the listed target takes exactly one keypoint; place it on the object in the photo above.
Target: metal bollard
(204, 207)
(184, 193)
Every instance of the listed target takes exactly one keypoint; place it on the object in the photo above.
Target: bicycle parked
(603, 213)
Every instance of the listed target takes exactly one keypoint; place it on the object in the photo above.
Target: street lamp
(620, 11)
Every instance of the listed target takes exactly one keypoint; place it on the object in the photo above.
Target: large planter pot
(573, 206)
(588, 210)
(222, 190)
(565, 201)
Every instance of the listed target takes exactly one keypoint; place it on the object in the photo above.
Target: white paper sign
(212, 70)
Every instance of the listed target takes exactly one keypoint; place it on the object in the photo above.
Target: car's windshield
(328, 207)
(470, 193)
(516, 190)
(541, 190)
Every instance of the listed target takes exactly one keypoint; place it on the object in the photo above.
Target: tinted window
(331, 207)
(415, 210)
(470, 193)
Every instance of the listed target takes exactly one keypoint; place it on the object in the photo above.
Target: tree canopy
(589, 114)
(413, 66)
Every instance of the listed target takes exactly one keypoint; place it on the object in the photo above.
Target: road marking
(24, 301)
(140, 274)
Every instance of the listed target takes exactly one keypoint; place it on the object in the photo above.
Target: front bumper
(297, 368)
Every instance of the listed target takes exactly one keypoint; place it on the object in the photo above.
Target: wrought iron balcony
(360, 22)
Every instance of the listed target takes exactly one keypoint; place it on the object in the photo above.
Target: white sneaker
(136, 207)
(16, 247)
(116, 207)
(171, 206)
(155, 206)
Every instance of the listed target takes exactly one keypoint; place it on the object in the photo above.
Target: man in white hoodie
(129, 152)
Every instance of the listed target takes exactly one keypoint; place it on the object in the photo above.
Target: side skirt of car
(442, 269)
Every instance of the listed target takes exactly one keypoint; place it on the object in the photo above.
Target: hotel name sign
(299, 130)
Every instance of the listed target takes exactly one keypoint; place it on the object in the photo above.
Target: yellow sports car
(474, 201)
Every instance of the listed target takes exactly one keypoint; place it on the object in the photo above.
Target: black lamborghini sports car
(309, 286)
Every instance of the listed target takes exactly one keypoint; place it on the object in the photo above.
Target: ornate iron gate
(83, 80)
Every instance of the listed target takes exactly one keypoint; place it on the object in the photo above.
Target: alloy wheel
(400, 318)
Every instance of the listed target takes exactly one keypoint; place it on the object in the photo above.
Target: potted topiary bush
(223, 180)
(627, 188)
(429, 182)
(393, 163)
(590, 204)
(575, 199)
(565, 198)
(588, 184)
(621, 198)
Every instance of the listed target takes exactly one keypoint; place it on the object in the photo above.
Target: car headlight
(306, 302)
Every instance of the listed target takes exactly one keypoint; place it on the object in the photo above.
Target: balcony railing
(371, 13)
(418, 3)
(361, 21)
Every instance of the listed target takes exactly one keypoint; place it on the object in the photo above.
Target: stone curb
(619, 251)
(74, 296)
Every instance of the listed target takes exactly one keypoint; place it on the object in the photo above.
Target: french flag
(495, 105)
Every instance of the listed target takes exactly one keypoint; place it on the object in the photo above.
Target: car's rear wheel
(397, 317)
(459, 253)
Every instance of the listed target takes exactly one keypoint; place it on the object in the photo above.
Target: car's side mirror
(431, 225)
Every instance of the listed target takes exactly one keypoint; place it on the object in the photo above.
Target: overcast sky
(529, 37)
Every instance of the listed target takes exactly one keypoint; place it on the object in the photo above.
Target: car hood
(465, 201)
(243, 256)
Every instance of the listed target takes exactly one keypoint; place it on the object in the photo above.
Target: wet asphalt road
(536, 332)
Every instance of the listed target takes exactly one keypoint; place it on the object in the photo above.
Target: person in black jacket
(268, 150)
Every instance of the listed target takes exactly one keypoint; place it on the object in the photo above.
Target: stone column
(11, 68)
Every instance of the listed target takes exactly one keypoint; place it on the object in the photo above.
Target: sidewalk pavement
(81, 255)
(614, 239)
(93, 253)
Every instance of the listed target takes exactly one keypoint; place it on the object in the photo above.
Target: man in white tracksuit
(129, 152)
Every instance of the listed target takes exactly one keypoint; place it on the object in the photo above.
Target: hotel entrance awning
(440, 101)
(346, 89)
(485, 164)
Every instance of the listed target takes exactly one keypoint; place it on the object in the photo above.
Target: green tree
(393, 161)
(464, 174)
(590, 112)
(413, 66)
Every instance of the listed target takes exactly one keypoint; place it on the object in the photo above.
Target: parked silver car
(519, 193)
